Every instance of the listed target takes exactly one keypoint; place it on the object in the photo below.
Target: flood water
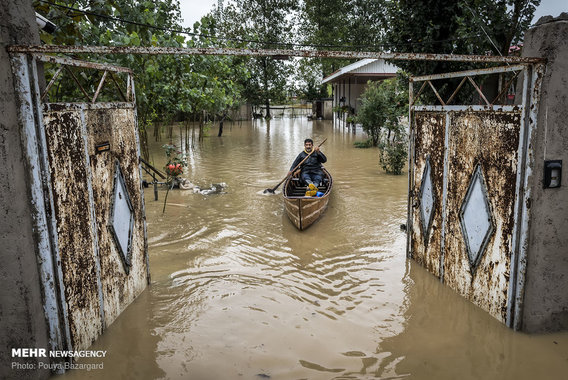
(238, 293)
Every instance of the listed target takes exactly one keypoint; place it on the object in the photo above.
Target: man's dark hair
(309, 140)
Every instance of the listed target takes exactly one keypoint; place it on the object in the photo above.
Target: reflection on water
(238, 293)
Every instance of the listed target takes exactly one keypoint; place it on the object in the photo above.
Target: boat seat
(300, 191)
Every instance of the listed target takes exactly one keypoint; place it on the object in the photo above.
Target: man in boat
(311, 172)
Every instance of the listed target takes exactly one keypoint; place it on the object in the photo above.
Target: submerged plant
(363, 144)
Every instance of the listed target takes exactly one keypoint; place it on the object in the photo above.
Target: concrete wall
(22, 320)
(546, 295)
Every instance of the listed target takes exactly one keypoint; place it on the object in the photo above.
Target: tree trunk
(267, 99)
(268, 109)
(220, 129)
(193, 132)
(201, 122)
(144, 142)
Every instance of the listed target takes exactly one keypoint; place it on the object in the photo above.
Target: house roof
(364, 68)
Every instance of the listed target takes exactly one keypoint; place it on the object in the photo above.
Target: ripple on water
(244, 281)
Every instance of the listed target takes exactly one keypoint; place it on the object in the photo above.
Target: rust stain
(75, 236)
(491, 140)
(117, 126)
(429, 142)
(155, 50)
(68, 159)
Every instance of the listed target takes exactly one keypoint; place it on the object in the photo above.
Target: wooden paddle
(293, 170)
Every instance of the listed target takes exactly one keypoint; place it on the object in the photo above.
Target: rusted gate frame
(277, 53)
(65, 63)
(467, 75)
(532, 76)
(32, 106)
(531, 98)
(25, 81)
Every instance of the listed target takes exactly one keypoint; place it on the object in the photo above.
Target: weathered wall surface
(546, 295)
(22, 319)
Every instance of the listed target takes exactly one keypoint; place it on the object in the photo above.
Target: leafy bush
(393, 155)
(363, 144)
(382, 105)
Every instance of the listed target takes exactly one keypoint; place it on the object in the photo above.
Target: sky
(193, 10)
(550, 8)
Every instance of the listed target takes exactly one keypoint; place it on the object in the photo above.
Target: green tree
(505, 22)
(322, 25)
(424, 26)
(166, 86)
(454, 27)
(122, 23)
(308, 80)
(219, 79)
(354, 25)
(382, 105)
(262, 24)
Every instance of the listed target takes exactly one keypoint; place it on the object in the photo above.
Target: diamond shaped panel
(475, 218)
(122, 218)
(427, 200)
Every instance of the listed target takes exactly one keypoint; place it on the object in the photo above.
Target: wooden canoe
(304, 211)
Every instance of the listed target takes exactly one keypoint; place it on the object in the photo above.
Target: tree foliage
(454, 27)
(354, 25)
(382, 105)
(262, 24)
(341, 25)
(478, 27)
(166, 86)
(169, 86)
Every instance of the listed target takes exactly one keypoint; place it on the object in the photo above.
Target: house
(350, 81)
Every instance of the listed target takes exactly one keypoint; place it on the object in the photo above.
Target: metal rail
(67, 63)
(467, 76)
(276, 53)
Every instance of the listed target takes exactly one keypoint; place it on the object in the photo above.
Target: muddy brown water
(238, 293)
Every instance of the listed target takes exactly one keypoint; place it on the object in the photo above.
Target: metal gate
(87, 195)
(468, 194)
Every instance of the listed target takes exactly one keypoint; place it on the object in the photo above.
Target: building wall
(546, 297)
(328, 109)
(22, 320)
(351, 91)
